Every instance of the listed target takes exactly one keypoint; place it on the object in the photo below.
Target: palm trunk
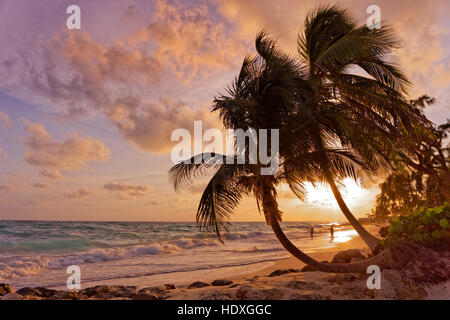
(270, 208)
(373, 242)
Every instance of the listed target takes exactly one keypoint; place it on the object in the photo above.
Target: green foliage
(426, 226)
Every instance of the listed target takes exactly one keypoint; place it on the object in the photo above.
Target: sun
(321, 195)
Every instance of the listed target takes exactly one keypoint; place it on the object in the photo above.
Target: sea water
(37, 253)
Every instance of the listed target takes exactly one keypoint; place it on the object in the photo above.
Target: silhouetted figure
(332, 231)
(311, 232)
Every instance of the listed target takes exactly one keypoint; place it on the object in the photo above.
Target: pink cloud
(53, 156)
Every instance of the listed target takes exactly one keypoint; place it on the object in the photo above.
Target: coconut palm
(333, 123)
(351, 97)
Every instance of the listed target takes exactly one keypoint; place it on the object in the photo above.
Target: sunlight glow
(322, 196)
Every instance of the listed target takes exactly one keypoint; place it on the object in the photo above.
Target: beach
(274, 276)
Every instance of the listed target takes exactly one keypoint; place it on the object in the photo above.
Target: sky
(86, 115)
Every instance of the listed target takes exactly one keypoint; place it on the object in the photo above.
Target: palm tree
(351, 97)
(345, 122)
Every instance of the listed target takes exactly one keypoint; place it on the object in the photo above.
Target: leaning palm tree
(262, 98)
(351, 97)
(275, 91)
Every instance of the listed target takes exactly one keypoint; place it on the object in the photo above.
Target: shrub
(426, 226)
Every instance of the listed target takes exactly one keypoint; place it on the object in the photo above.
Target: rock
(308, 295)
(353, 260)
(152, 293)
(216, 295)
(68, 295)
(108, 292)
(147, 294)
(346, 256)
(341, 278)
(5, 289)
(221, 282)
(300, 284)
(249, 293)
(308, 268)
(38, 292)
(280, 272)
(393, 286)
(198, 284)
(170, 286)
(234, 285)
(12, 296)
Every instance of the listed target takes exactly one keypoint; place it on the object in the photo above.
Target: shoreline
(281, 279)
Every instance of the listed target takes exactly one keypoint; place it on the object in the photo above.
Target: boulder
(346, 256)
(108, 292)
(280, 272)
(5, 289)
(170, 286)
(198, 284)
(221, 282)
(309, 268)
(38, 292)
(152, 293)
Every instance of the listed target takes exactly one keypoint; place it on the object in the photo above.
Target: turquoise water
(38, 253)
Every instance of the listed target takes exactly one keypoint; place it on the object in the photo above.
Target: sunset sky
(86, 115)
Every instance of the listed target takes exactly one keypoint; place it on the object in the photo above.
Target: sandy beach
(284, 279)
(313, 285)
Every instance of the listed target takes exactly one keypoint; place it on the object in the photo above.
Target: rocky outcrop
(221, 282)
(38, 292)
(170, 286)
(108, 292)
(280, 272)
(346, 256)
(198, 284)
(152, 293)
(5, 289)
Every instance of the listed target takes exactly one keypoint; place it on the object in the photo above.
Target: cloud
(6, 187)
(190, 41)
(51, 173)
(3, 154)
(76, 73)
(127, 191)
(150, 128)
(40, 185)
(5, 121)
(78, 194)
(53, 156)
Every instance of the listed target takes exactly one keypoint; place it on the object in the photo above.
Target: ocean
(37, 253)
